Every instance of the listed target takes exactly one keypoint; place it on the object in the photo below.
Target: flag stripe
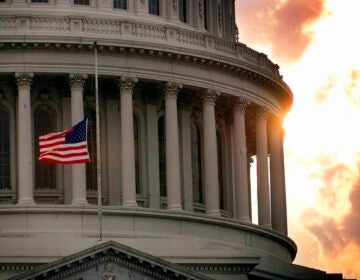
(67, 147)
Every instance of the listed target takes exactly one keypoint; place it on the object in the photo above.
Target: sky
(317, 46)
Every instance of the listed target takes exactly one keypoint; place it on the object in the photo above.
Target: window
(81, 2)
(91, 167)
(182, 10)
(220, 171)
(38, 1)
(4, 150)
(137, 155)
(162, 155)
(120, 4)
(196, 163)
(154, 8)
(44, 123)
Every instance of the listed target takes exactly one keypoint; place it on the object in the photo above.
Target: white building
(184, 108)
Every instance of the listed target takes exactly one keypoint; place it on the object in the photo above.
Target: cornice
(162, 40)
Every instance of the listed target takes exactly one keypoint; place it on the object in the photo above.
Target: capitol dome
(187, 114)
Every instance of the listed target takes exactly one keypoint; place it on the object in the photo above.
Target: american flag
(67, 147)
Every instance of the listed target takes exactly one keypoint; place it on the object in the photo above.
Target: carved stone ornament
(24, 79)
(126, 85)
(262, 114)
(210, 96)
(174, 4)
(171, 89)
(241, 104)
(108, 273)
(77, 81)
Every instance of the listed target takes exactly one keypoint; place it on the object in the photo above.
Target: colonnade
(271, 190)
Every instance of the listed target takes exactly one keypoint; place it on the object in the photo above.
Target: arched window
(183, 10)
(137, 154)
(91, 167)
(196, 163)
(154, 7)
(162, 155)
(44, 123)
(220, 171)
(4, 150)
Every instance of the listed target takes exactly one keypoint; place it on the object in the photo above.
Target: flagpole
(98, 157)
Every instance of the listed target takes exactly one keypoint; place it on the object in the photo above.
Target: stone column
(185, 121)
(276, 176)
(128, 185)
(152, 143)
(283, 183)
(262, 169)
(77, 83)
(173, 186)
(241, 161)
(25, 156)
(211, 174)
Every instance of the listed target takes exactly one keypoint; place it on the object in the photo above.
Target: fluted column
(173, 185)
(211, 173)
(276, 176)
(262, 169)
(241, 162)
(128, 186)
(77, 83)
(25, 156)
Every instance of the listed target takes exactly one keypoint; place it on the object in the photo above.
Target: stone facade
(184, 108)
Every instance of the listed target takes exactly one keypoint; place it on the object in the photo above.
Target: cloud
(323, 93)
(353, 88)
(338, 236)
(281, 25)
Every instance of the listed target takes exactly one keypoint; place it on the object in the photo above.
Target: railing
(110, 29)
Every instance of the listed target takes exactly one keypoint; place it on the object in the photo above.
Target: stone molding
(24, 80)
(77, 81)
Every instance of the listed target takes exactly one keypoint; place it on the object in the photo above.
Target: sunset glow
(315, 44)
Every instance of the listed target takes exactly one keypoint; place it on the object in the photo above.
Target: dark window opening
(154, 7)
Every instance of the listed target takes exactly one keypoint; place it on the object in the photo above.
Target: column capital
(171, 89)
(241, 104)
(210, 96)
(262, 113)
(77, 81)
(275, 121)
(126, 84)
(24, 79)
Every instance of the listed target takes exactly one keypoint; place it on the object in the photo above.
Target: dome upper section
(205, 16)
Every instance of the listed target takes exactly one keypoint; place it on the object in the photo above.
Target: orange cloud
(352, 90)
(281, 25)
(322, 94)
(337, 236)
